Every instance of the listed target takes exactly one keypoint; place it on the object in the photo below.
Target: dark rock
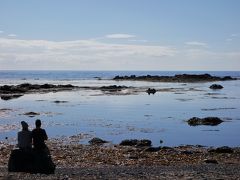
(57, 101)
(31, 114)
(135, 142)
(30, 161)
(112, 88)
(153, 149)
(151, 91)
(216, 86)
(187, 152)
(97, 141)
(7, 97)
(26, 87)
(212, 161)
(144, 142)
(176, 78)
(129, 142)
(223, 149)
(210, 121)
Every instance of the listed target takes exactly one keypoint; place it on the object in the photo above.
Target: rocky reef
(176, 78)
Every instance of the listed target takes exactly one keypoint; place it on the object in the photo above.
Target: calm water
(116, 117)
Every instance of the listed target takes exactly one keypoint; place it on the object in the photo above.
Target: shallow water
(156, 117)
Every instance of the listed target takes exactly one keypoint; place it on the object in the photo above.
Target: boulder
(216, 86)
(97, 141)
(209, 121)
(223, 149)
(135, 142)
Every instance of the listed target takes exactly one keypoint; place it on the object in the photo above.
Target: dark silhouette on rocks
(24, 137)
(36, 160)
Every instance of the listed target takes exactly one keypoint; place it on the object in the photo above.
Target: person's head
(38, 123)
(24, 125)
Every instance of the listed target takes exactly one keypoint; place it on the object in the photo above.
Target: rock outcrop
(210, 121)
(176, 78)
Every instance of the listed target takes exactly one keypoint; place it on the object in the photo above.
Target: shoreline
(99, 161)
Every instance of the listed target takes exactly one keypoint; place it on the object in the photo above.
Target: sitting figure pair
(28, 159)
(37, 137)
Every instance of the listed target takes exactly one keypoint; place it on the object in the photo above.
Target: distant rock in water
(151, 91)
(97, 141)
(7, 97)
(26, 87)
(209, 121)
(113, 88)
(176, 78)
(216, 86)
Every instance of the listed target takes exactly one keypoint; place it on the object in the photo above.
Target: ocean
(115, 117)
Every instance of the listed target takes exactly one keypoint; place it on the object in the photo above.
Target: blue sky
(120, 34)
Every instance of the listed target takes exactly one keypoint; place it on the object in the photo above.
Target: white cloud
(95, 55)
(120, 36)
(12, 35)
(196, 43)
(80, 54)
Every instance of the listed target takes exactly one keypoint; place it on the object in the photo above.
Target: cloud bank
(22, 54)
(80, 54)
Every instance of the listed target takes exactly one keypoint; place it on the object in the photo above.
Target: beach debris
(223, 149)
(97, 141)
(210, 121)
(135, 142)
(151, 91)
(216, 86)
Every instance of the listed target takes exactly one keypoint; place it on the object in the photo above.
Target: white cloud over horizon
(120, 36)
(12, 35)
(196, 43)
(95, 55)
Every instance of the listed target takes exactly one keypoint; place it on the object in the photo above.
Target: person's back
(39, 135)
(24, 137)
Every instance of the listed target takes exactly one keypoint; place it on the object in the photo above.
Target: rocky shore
(177, 78)
(75, 161)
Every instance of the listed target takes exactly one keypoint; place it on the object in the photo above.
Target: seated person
(39, 135)
(24, 137)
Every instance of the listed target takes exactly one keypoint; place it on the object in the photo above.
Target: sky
(164, 35)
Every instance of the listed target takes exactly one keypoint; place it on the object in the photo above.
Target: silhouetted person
(24, 137)
(39, 135)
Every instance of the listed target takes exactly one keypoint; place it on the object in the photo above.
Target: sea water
(115, 117)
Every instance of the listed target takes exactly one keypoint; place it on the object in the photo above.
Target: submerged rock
(210, 121)
(135, 142)
(216, 86)
(113, 88)
(97, 141)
